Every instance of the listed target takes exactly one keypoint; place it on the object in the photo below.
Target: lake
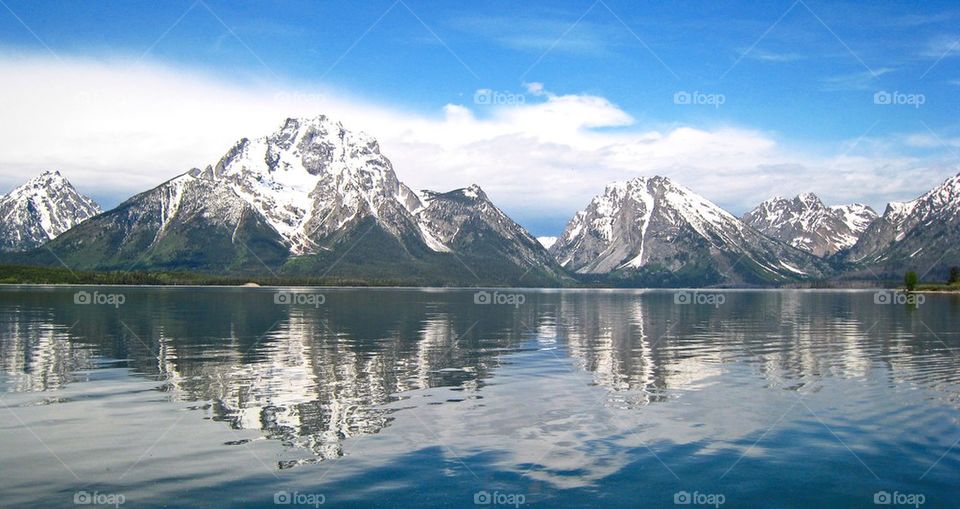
(258, 397)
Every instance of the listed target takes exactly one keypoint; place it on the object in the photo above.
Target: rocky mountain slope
(40, 210)
(465, 221)
(921, 235)
(661, 232)
(804, 222)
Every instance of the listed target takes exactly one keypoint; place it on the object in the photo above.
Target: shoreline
(475, 288)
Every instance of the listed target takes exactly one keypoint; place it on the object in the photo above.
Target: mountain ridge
(920, 235)
(806, 223)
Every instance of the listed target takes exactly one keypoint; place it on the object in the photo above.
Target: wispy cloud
(921, 20)
(865, 80)
(928, 140)
(772, 56)
(587, 38)
(942, 46)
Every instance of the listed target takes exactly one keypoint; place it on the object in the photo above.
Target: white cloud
(116, 128)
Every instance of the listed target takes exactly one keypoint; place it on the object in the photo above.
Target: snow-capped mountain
(313, 194)
(922, 235)
(313, 178)
(652, 225)
(40, 210)
(806, 223)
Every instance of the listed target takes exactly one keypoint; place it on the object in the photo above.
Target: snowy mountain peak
(809, 199)
(41, 209)
(856, 216)
(804, 222)
(311, 178)
(474, 191)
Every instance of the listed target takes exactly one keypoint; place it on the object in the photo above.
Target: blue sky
(803, 73)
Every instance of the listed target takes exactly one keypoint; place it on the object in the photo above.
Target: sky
(540, 103)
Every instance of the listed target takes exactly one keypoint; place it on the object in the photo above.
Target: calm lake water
(219, 397)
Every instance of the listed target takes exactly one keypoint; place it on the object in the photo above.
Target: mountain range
(652, 229)
(316, 200)
(312, 199)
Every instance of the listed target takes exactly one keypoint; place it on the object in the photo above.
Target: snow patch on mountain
(546, 242)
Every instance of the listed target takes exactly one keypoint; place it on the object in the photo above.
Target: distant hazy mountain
(40, 210)
(658, 231)
(806, 223)
(312, 199)
(921, 235)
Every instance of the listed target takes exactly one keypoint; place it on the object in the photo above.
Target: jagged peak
(45, 177)
(809, 199)
(944, 194)
(295, 128)
(40, 184)
(473, 192)
(639, 181)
